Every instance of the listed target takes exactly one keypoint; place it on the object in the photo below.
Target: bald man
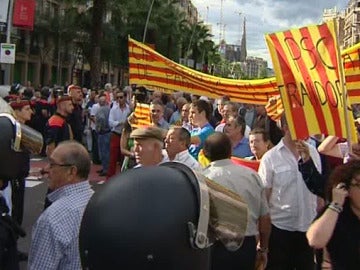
(55, 235)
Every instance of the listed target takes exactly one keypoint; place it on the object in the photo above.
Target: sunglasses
(120, 97)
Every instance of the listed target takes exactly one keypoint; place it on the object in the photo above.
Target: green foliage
(168, 29)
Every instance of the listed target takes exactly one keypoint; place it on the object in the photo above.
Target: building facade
(352, 24)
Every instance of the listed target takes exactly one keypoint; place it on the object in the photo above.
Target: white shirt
(184, 157)
(93, 110)
(292, 205)
(117, 117)
(246, 183)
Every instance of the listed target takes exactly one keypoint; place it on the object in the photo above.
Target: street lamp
(147, 20)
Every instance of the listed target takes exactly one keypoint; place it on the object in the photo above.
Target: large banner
(155, 72)
(308, 77)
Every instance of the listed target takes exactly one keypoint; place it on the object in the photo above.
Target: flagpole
(7, 75)
(344, 90)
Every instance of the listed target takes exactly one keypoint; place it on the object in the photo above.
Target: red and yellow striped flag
(307, 74)
(274, 108)
(141, 116)
(155, 72)
(351, 61)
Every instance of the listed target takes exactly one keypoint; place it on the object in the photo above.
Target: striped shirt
(54, 243)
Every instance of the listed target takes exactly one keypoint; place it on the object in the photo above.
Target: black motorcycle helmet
(142, 219)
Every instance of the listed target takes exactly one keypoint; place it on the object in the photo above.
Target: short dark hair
(157, 102)
(203, 105)
(234, 106)
(261, 131)
(120, 92)
(217, 146)
(79, 157)
(184, 135)
(240, 122)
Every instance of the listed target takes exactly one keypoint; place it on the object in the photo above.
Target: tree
(98, 11)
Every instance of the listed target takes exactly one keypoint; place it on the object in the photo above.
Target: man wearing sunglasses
(54, 243)
(117, 117)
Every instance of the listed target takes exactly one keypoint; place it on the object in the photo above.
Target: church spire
(243, 52)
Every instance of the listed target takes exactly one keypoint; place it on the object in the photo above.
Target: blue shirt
(202, 133)
(242, 149)
(55, 236)
(163, 124)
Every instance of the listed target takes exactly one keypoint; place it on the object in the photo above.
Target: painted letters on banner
(307, 74)
(155, 72)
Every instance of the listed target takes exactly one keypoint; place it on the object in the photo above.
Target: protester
(235, 130)
(157, 115)
(127, 148)
(177, 143)
(148, 145)
(259, 142)
(218, 112)
(200, 112)
(54, 243)
(103, 134)
(185, 122)
(248, 185)
(94, 136)
(225, 113)
(117, 118)
(338, 226)
(292, 205)
(332, 147)
(176, 116)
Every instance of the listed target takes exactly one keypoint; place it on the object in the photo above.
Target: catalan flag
(351, 62)
(155, 72)
(141, 116)
(274, 108)
(307, 74)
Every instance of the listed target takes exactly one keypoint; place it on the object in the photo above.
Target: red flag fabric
(252, 164)
(24, 14)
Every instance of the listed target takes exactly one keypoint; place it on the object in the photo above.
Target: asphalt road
(34, 200)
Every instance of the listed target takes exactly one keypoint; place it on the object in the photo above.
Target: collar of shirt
(244, 140)
(161, 121)
(68, 189)
(221, 162)
(181, 155)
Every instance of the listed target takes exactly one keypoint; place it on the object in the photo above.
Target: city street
(34, 199)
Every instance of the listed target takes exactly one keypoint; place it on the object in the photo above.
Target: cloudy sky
(262, 16)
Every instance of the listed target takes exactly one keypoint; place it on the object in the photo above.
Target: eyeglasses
(120, 97)
(53, 164)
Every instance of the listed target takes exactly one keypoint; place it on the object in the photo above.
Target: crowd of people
(298, 197)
